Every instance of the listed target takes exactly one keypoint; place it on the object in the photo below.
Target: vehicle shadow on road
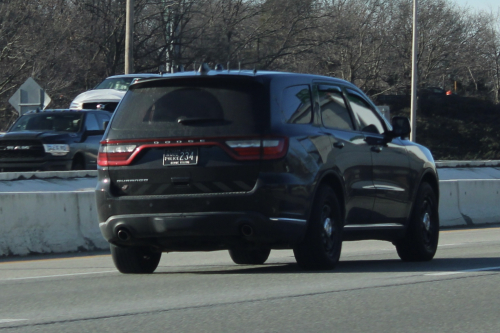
(437, 265)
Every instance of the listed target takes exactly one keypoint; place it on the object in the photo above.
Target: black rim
(427, 225)
(328, 231)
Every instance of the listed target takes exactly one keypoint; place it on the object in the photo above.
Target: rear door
(189, 136)
(350, 153)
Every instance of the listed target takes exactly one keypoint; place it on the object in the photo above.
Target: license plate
(177, 157)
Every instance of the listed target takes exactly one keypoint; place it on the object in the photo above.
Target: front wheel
(130, 260)
(323, 241)
(422, 235)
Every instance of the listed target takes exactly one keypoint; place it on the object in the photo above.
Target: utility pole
(172, 53)
(129, 38)
(414, 74)
(169, 19)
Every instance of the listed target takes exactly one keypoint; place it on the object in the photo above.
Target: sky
(480, 4)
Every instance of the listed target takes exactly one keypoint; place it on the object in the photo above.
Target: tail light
(123, 153)
(245, 148)
(254, 149)
(115, 154)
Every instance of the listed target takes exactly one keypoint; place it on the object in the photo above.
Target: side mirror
(401, 127)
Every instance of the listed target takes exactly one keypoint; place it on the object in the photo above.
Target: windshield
(67, 122)
(117, 83)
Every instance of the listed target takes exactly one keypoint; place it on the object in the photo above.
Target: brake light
(115, 154)
(246, 148)
(253, 149)
(273, 148)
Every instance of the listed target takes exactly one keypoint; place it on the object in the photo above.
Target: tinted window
(367, 118)
(91, 123)
(297, 105)
(116, 83)
(191, 108)
(62, 122)
(334, 113)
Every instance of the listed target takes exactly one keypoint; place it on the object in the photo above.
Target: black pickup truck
(53, 140)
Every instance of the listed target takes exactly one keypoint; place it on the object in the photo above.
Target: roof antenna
(254, 70)
(228, 66)
(239, 65)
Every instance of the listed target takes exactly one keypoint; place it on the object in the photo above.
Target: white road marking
(3, 321)
(465, 271)
(51, 276)
(450, 244)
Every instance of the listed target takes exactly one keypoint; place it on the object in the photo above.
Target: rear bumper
(202, 231)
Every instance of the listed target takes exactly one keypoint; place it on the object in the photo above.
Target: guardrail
(33, 221)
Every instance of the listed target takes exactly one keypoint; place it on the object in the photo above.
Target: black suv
(254, 161)
(53, 140)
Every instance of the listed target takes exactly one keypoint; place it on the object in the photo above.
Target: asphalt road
(370, 291)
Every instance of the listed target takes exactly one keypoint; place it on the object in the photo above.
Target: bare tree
(492, 56)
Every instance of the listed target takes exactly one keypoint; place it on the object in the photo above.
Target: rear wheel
(323, 241)
(243, 256)
(421, 240)
(130, 260)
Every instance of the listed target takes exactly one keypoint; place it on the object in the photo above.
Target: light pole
(414, 74)
(129, 38)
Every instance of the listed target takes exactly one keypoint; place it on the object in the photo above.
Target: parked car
(107, 94)
(253, 161)
(53, 140)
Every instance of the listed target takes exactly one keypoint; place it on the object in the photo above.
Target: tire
(78, 163)
(322, 243)
(422, 235)
(135, 260)
(243, 256)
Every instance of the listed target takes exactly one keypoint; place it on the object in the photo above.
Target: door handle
(339, 145)
(377, 149)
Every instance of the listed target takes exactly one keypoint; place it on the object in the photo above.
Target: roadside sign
(29, 96)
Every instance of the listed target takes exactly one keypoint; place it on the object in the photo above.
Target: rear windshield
(191, 108)
(52, 122)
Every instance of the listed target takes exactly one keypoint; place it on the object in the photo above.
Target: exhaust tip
(123, 234)
(246, 230)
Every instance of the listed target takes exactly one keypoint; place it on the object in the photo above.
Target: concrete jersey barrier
(469, 202)
(49, 222)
